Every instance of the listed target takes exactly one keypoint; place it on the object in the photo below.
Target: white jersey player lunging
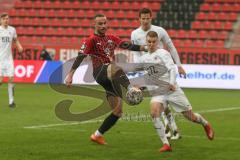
(138, 36)
(8, 35)
(174, 96)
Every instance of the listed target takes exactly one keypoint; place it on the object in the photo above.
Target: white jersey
(176, 98)
(155, 63)
(138, 37)
(7, 35)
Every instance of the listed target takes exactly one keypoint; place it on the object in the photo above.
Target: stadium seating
(50, 14)
(209, 20)
(196, 22)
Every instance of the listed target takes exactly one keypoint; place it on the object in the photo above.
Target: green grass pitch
(129, 139)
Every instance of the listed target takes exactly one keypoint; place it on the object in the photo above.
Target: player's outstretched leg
(197, 118)
(117, 75)
(156, 110)
(110, 121)
(120, 82)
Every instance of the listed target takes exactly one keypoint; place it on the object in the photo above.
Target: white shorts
(176, 99)
(6, 69)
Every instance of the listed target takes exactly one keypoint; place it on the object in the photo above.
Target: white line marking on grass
(60, 124)
(61, 129)
(219, 110)
(133, 118)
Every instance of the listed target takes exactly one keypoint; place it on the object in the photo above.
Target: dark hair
(145, 11)
(99, 15)
(152, 34)
(4, 15)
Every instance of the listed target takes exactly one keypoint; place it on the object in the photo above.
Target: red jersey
(100, 48)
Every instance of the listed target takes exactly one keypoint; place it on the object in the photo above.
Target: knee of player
(154, 113)
(118, 113)
(189, 115)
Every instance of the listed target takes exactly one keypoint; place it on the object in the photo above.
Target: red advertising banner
(187, 55)
(27, 71)
(209, 56)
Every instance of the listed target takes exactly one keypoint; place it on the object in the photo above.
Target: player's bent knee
(189, 115)
(117, 113)
(155, 113)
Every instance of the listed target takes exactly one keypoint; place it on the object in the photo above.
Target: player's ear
(151, 18)
(94, 22)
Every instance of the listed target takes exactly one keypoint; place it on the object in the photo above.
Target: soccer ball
(134, 96)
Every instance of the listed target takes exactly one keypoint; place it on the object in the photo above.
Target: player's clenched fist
(172, 87)
(68, 79)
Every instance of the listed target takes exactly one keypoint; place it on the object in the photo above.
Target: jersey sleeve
(86, 47)
(168, 62)
(117, 40)
(14, 33)
(168, 42)
(133, 38)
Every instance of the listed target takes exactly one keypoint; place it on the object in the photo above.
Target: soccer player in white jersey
(8, 35)
(173, 96)
(138, 36)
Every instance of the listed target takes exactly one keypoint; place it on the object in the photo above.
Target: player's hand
(68, 79)
(20, 49)
(136, 87)
(172, 87)
(144, 48)
(181, 72)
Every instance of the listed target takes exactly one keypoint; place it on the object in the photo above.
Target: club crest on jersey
(110, 44)
(83, 47)
(109, 47)
(157, 58)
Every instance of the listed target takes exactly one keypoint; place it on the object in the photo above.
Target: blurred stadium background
(206, 34)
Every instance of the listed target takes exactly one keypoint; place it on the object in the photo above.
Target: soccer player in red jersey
(100, 46)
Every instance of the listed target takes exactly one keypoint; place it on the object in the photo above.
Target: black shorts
(100, 75)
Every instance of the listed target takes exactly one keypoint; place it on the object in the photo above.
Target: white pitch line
(133, 119)
(219, 110)
(60, 124)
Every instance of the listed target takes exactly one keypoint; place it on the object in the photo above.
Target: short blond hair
(152, 34)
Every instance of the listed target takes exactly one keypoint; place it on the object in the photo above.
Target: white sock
(200, 119)
(11, 92)
(158, 124)
(97, 133)
(165, 120)
(171, 121)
